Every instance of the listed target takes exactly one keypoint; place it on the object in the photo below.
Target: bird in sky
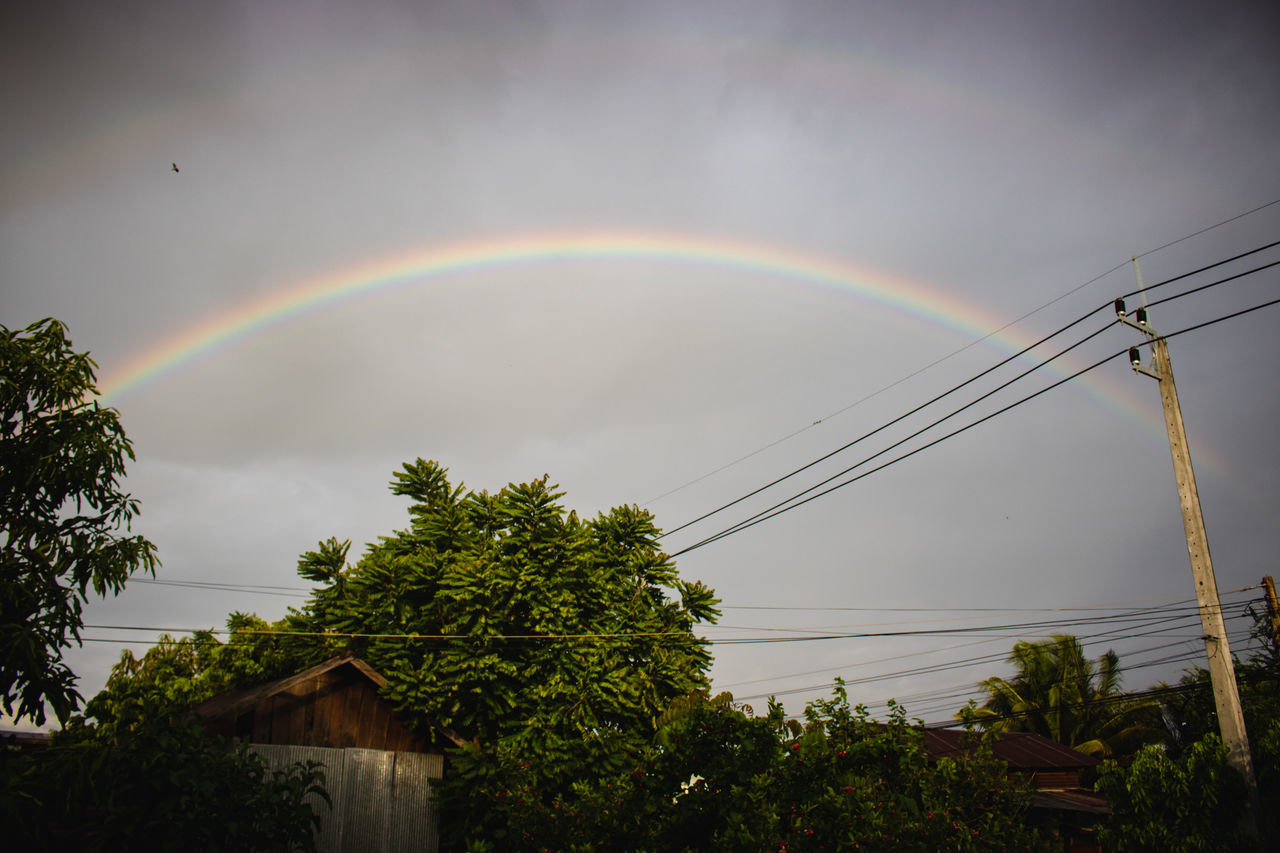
(175, 167)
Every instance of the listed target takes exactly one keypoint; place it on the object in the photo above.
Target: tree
(1057, 692)
(1189, 706)
(502, 617)
(714, 777)
(134, 773)
(1191, 715)
(174, 675)
(61, 513)
(159, 785)
(1160, 804)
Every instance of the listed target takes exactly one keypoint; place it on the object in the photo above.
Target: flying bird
(175, 167)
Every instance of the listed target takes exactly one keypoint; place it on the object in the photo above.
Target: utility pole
(1273, 613)
(1222, 673)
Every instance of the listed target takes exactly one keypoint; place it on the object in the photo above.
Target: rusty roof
(1020, 750)
(1071, 800)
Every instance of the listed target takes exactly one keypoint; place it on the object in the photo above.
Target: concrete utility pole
(1222, 673)
(1273, 613)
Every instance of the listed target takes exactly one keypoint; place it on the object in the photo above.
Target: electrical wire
(1189, 615)
(787, 506)
(899, 419)
(971, 344)
(1146, 616)
(224, 587)
(782, 507)
(945, 666)
(983, 374)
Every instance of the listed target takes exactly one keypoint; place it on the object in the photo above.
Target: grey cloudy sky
(977, 160)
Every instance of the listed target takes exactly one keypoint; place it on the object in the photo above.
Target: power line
(780, 508)
(956, 352)
(898, 419)
(257, 589)
(975, 378)
(1150, 693)
(1137, 616)
(1171, 604)
(783, 507)
(964, 663)
(1205, 230)
(1205, 268)
(990, 659)
(1186, 654)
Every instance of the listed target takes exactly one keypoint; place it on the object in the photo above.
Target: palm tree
(1061, 694)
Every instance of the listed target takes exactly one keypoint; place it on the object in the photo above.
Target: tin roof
(23, 739)
(1071, 800)
(1020, 750)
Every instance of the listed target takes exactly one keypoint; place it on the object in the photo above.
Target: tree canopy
(714, 777)
(499, 616)
(1161, 804)
(1059, 693)
(65, 518)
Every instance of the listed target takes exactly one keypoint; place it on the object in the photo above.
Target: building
(378, 771)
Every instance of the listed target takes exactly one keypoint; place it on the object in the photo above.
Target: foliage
(1057, 692)
(1191, 715)
(1189, 804)
(501, 616)
(176, 674)
(715, 778)
(1190, 708)
(138, 775)
(61, 460)
(161, 787)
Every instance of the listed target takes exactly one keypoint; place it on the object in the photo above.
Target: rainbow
(413, 267)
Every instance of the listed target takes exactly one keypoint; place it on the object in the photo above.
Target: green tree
(501, 616)
(1059, 693)
(62, 511)
(160, 786)
(1191, 714)
(715, 778)
(134, 773)
(1190, 705)
(178, 673)
(1160, 804)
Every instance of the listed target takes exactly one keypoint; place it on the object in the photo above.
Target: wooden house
(334, 704)
(1058, 799)
(379, 773)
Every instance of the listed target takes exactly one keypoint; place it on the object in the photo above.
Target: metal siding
(366, 799)
(413, 811)
(381, 801)
(329, 837)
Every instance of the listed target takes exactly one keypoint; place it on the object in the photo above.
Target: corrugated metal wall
(381, 800)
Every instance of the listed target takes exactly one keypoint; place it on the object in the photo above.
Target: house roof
(237, 702)
(1020, 750)
(229, 706)
(23, 739)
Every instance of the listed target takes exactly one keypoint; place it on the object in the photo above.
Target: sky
(666, 253)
